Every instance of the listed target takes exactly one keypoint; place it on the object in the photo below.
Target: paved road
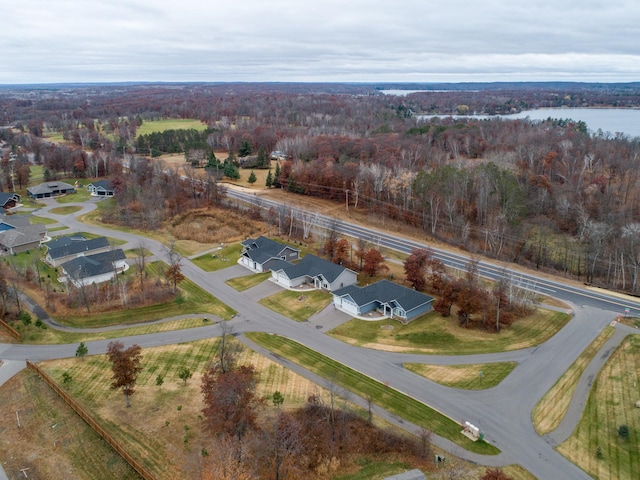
(503, 412)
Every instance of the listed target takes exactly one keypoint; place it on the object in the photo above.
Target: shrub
(623, 432)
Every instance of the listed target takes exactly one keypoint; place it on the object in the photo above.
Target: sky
(53, 41)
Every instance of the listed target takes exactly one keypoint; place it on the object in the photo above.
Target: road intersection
(503, 412)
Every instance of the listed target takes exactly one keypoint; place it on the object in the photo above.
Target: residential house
(50, 189)
(101, 188)
(18, 235)
(313, 271)
(97, 268)
(259, 254)
(9, 200)
(62, 250)
(388, 298)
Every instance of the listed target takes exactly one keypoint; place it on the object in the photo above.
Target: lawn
(596, 445)
(551, 408)
(80, 195)
(148, 127)
(432, 333)
(163, 428)
(68, 210)
(36, 220)
(222, 257)
(244, 283)
(466, 377)
(388, 398)
(298, 306)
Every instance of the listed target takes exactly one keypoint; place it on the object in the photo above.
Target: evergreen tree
(276, 176)
(262, 160)
(269, 181)
(252, 178)
(245, 149)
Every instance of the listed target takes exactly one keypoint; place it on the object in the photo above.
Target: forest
(551, 194)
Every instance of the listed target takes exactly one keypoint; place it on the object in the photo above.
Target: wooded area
(550, 195)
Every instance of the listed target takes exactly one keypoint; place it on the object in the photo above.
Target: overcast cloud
(44, 41)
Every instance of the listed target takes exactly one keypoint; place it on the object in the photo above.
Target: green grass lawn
(595, 445)
(466, 377)
(298, 306)
(551, 408)
(219, 259)
(169, 124)
(37, 220)
(432, 333)
(382, 395)
(244, 283)
(79, 196)
(68, 210)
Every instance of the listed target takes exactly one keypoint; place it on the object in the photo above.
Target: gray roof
(65, 241)
(262, 249)
(106, 184)
(22, 235)
(312, 266)
(78, 247)
(385, 291)
(49, 187)
(15, 221)
(92, 265)
(6, 196)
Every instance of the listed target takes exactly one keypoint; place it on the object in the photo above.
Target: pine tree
(276, 176)
(252, 178)
(269, 182)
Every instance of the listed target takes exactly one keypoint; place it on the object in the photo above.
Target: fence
(14, 333)
(144, 473)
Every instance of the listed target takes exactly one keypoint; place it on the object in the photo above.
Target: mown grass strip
(466, 377)
(552, 408)
(391, 400)
(244, 283)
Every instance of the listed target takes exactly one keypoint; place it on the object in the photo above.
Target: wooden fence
(144, 473)
(14, 333)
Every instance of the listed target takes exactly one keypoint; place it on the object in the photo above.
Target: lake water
(609, 120)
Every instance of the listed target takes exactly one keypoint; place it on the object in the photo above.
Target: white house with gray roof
(388, 298)
(259, 254)
(101, 188)
(313, 271)
(17, 234)
(97, 268)
(67, 248)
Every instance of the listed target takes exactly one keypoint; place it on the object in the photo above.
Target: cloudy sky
(44, 41)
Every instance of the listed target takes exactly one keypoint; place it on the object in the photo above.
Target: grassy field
(298, 306)
(36, 220)
(66, 210)
(169, 124)
(384, 396)
(551, 408)
(596, 445)
(80, 195)
(466, 377)
(244, 283)
(432, 333)
(222, 257)
(163, 427)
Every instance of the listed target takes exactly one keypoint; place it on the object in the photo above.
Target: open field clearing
(382, 395)
(432, 333)
(298, 306)
(151, 126)
(597, 445)
(551, 409)
(466, 377)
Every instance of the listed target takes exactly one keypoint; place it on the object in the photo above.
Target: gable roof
(49, 187)
(65, 241)
(22, 235)
(93, 265)
(262, 249)
(78, 247)
(14, 221)
(106, 184)
(312, 266)
(385, 291)
(6, 197)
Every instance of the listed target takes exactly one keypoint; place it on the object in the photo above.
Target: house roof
(92, 265)
(106, 184)
(15, 221)
(49, 187)
(78, 247)
(6, 197)
(312, 266)
(385, 291)
(65, 241)
(262, 249)
(22, 235)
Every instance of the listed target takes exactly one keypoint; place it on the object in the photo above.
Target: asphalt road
(502, 412)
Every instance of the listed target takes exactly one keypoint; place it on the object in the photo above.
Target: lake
(611, 120)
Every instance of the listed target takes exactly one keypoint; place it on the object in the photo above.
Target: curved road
(502, 412)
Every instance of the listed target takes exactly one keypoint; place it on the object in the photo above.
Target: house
(62, 250)
(315, 271)
(258, 254)
(101, 188)
(97, 268)
(50, 189)
(18, 235)
(390, 299)
(9, 200)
